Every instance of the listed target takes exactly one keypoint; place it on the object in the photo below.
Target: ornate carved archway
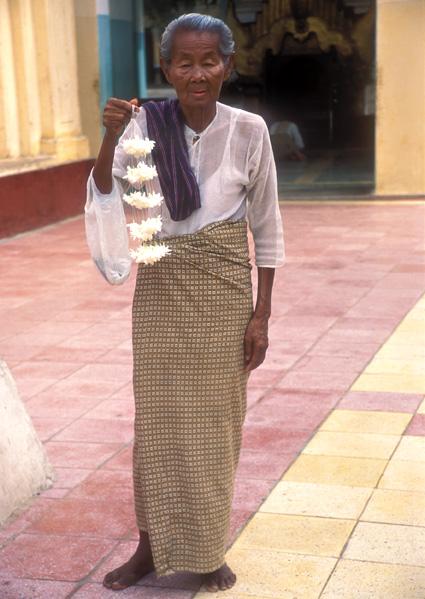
(331, 23)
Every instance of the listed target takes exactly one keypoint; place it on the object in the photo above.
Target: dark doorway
(319, 75)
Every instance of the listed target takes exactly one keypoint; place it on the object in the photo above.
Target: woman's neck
(198, 120)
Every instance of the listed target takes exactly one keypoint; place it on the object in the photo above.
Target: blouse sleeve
(264, 216)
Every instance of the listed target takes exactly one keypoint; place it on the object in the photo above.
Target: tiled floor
(329, 499)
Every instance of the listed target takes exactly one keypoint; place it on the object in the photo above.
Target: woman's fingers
(118, 108)
(134, 107)
(256, 343)
(118, 113)
(256, 358)
(248, 350)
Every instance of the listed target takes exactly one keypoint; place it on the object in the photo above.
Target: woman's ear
(229, 66)
(165, 70)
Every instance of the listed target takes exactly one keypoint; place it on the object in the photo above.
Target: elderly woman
(196, 336)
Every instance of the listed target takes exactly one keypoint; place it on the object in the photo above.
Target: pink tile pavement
(11, 588)
(87, 518)
(266, 465)
(51, 557)
(352, 273)
(82, 454)
(96, 591)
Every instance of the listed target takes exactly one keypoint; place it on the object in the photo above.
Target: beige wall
(400, 130)
(88, 72)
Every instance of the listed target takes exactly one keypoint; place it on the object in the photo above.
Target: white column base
(25, 469)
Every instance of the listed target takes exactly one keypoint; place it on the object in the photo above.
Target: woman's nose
(197, 73)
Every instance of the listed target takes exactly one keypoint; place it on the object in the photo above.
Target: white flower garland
(146, 229)
(149, 254)
(141, 175)
(138, 147)
(140, 200)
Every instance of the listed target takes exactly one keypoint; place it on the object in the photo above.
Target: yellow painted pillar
(54, 25)
(9, 125)
(88, 72)
(400, 110)
(25, 63)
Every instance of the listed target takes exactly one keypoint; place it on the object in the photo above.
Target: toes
(222, 585)
(220, 580)
(227, 584)
(111, 581)
(114, 586)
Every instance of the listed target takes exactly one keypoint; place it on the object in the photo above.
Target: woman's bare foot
(132, 571)
(219, 580)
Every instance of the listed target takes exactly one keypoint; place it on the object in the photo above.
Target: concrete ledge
(25, 469)
(34, 199)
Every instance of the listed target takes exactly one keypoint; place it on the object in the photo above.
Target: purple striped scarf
(178, 183)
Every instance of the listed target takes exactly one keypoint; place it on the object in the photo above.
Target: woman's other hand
(256, 336)
(256, 342)
(117, 113)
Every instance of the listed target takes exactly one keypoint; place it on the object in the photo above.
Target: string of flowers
(141, 198)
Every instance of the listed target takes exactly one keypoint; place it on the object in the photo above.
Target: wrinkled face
(197, 70)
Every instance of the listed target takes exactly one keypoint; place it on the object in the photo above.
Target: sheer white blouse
(234, 167)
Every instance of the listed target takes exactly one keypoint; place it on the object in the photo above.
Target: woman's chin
(193, 100)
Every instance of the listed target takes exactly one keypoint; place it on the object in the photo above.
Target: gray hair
(200, 24)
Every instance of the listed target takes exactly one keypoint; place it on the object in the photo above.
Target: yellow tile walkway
(399, 366)
(347, 520)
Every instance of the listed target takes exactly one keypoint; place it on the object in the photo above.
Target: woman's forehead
(190, 42)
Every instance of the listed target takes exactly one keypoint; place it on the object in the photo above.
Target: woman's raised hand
(117, 113)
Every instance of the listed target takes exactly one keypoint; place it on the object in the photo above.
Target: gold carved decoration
(326, 21)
